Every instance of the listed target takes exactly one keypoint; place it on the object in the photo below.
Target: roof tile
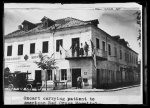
(60, 23)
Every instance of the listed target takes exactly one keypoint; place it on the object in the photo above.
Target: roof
(59, 24)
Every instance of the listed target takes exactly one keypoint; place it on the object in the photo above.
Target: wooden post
(46, 79)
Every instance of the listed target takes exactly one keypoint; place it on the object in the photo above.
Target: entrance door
(98, 78)
(75, 74)
(38, 76)
(75, 46)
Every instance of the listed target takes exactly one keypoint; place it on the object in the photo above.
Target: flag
(60, 49)
(93, 54)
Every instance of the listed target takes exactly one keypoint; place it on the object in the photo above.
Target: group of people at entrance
(83, 50)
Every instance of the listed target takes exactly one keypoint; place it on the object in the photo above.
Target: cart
(20, 81)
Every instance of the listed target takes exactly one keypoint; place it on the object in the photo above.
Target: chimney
(20, 27)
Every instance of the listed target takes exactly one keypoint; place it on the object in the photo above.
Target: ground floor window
(63, 74)
(49, 75)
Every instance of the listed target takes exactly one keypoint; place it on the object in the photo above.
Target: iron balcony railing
(98, 52)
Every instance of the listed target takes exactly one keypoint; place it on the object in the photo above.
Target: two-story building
(114, 63)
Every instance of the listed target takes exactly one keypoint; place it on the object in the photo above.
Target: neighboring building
(115, 61)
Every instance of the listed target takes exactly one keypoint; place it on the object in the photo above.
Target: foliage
(46, 62)
(138, 21)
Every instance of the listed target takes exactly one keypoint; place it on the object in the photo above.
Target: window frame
(63, 76)
(97, 43)
(49, 75)
(120, 54)
(9, 52)
(45, 49)
(19, 49)
(32, 49)
(103, 45)
(58, 43)
(109, 49)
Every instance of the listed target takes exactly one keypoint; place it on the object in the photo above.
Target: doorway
(38, 76)
(75, 74)
(75, 46)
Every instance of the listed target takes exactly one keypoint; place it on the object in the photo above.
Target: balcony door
(75, 47)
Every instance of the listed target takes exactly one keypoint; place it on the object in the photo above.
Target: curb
(93, 90)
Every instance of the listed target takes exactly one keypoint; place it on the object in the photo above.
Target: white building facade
(21, 49)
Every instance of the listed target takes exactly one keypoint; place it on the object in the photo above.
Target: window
(25, 27)
(32, 48)
(63, 74)
(129, 58)
(133, 60)
(120, 54)
(125, 56)
(103, 46)
(58, 43)
(45, 47)
(9, 51)
(20, 49)
(49, 74)
(109, 49)
(45, 24)
(115, 51)
(97, 43)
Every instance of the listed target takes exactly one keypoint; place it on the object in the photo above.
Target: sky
(115, 19)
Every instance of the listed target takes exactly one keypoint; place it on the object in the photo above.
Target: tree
(138, 21)
(46, 63)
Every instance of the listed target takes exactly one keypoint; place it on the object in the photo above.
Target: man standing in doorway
(79, 82)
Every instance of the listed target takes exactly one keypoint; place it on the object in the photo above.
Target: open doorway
(75, 74)
(38, 76)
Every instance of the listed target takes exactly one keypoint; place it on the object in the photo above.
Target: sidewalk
(86, 90)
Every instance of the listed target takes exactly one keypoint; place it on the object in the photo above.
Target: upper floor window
(109, 49)
(115, 51)
(58, 43)
(45, 47)
(129, 58)
(120, 54)
(32, 48)
(9, 51)
(103, 44)
(63, 74)
(49, 75)
(136, 60)
(20, 49)
(97, 43)
(125, 56)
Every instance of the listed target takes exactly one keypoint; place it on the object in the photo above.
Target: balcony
(100, 55)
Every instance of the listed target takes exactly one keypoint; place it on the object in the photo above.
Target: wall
(18, 63)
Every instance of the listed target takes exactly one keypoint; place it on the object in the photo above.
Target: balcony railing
(99, 54)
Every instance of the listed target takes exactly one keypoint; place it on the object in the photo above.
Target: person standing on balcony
(86, 48)
(81, 50)
(76, 49)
